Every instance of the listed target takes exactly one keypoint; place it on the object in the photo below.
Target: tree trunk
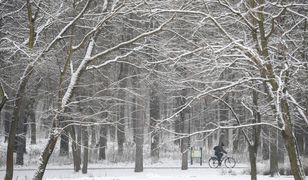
(7, 118)
(274, 170)
(223, 119)
(253, 162)
(32, 126)
(53, 137)
(300, 141)
(281, 149)
(256, 131)
(265, 144)
(139, 137)
(121, 134)
(55, 133)
(64, 144)
(121, 124)
(64, 138)
(236, 137)
(15, 120)
(78, 128)
(3, 97)
(76, 155)
(102, 142)
(138, 117)
(184, 152)
(184, 128)
(19, 97)
(306, 144)
(154, 117)
(290, 143)
(93, 142)
(85, 139)
(21, 141)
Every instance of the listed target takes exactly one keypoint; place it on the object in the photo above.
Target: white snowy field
(61, 168)
(200, 173)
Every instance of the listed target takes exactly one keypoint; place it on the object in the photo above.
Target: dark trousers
(219, 156)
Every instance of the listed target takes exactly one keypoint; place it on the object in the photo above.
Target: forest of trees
(143, 73)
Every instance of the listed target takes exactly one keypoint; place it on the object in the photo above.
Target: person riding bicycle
(219, 150)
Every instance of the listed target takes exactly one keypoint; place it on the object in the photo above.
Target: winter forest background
(91, 80)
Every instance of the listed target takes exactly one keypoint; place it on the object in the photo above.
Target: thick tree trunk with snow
(52, 140)
(290, 143)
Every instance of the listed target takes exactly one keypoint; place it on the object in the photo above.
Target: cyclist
(219, 150)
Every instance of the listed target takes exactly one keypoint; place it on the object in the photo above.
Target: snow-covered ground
(61, 168)
(148, 174)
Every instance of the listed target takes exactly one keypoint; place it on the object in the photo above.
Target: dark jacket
(219, 149)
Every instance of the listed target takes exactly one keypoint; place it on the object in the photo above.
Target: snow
(199, 173)
(61, 168)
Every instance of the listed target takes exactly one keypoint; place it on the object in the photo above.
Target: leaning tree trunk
(56, 130)
(19, 96)
(53, 137)
(15, 120)
(290, 143)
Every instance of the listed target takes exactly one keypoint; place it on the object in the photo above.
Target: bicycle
(229, 162)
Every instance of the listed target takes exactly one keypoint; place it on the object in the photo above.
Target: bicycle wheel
(230, 162)
(213, 162)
